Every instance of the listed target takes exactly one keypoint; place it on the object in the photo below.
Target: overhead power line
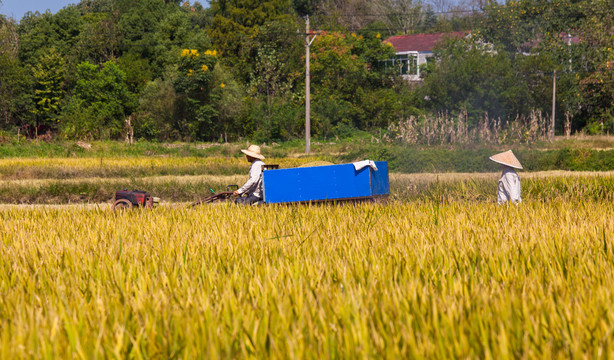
(402, 13)
(378, 30)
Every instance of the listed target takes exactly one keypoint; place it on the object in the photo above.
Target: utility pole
(308, 42)
(553, 101)
(307, 90)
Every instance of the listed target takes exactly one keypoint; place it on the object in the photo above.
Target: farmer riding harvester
(267, 184)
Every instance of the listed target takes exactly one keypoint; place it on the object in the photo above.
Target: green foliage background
(86, 69)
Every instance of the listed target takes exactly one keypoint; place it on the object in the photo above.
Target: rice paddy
(440, 271)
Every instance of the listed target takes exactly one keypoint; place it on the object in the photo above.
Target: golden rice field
(407, 279)
(440, 271)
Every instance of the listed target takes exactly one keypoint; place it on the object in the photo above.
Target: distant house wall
(412, 51)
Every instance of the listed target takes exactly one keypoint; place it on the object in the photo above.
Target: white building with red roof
(414, 50)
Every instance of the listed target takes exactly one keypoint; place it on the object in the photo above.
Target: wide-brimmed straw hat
(506, 158)
(253, 151)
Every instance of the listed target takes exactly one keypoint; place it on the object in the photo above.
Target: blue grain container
(325, 183)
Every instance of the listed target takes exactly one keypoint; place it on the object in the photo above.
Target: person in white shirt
(253, 186)
(509, 183)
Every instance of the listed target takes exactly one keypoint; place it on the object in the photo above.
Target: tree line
(175, 70)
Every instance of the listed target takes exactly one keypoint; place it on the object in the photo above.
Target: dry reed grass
(440, 129)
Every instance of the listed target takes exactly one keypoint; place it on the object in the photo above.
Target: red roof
(420, 42)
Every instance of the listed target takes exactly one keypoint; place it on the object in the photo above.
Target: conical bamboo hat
(506, 158)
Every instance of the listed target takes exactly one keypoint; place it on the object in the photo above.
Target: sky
(17, 8)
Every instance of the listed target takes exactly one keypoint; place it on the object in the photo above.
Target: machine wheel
(122, 204)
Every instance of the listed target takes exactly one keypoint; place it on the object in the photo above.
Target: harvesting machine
(125, 199)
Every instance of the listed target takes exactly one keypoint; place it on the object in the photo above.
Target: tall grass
(402, 280)
(440, 129)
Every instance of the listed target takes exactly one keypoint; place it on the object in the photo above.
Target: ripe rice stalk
(366, 280)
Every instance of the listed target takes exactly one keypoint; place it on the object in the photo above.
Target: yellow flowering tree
(193, 85)
(194, 72)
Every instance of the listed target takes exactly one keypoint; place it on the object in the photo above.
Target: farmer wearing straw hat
(253, 186)
(509, 183)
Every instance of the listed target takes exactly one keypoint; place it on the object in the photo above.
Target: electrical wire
(423, 12)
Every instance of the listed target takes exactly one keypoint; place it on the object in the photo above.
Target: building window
(407, 64)
(403, 64)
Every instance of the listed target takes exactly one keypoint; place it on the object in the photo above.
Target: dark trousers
(247, 200)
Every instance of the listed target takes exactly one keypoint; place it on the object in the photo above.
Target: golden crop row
(140, 161)
(452, 177)
(546, 186)
(219, 180)
(397, 280)
(18, 166)
(109, 167)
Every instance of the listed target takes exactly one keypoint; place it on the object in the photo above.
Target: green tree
(278, 39)
(346, 72)
(235, 22)
(15, 81)
(156, 117)
(592, 64)
(48, 93)
(155, 31)
(402, 16)
(269, 88)
(575, 36)
(15, 93)
(193, 86)
(138, 23)
(305, 7)
(100, 103)
(97, 6)
(138, 71)
(469, 75)
(99, 39)
(268, 78)
(176, 32)
(40, 32)
(227, 98)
